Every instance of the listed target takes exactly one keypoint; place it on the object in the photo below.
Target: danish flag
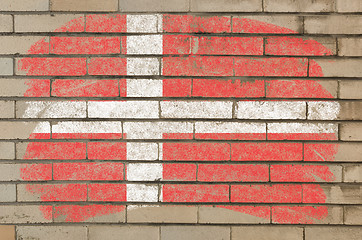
(157, 109)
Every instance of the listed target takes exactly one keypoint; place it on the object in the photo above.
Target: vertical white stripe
(144, 88)
(142, 193)
(144, 171)
(142, 151)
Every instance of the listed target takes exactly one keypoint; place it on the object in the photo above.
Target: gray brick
(6, 23)
(83, 5)
(7, 108)
(333, 233)
(353, 173)
(267, 233)
(351, 131)
(6, 66)
(7, 150)
(352, 215)
(299, 5)
(21, 130)
(350, 89)
(52, 232)
(19, 87)
(336, 24)
(127, 232)
(21, 5)
(349, 6)
(226, 6)
(7, 193)
(22, 214)
(350, 47)
(194, 232)
(154, 5)
(18, 44)
(343, 194)
(340, 67)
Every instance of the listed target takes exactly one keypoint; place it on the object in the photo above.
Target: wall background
(22, 23)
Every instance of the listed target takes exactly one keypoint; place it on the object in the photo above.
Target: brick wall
(180, 119)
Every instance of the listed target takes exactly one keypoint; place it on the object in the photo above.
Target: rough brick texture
(180, 119)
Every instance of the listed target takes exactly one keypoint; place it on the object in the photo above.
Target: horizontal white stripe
(302, 128)
(142, 23)
(54, 109)
(123, 109)
(42, 127)
(144, 172)
(229, 127)
(271, 110)
(323, 110)
(87, 127)
(145, 44)
(155, 130)
(142, 193)
(144, 88)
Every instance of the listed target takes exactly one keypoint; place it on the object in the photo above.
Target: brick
(107, 192)
(177, 87)
(123, 109)
(305, 173)
(84, 5)
(24, 87)
(127, 232)
(22, 44)
(336, 68)
(276, 24)
(51, 150)
(144, 44)
(351, 131)
(238, 88)
(51, 66)
(51, 109)
(142, 151)
(88, 171)
(143, 192)
(161, 214)
(337, 24)
(107, 150)
(300, 46)
(267, 233)
(299, 6)
(49, 23)
(7, 232)
(344, 152)
(8, 193)
(107, 66)
(144, 171)
(144, 88)
(350, 89)
(6, 66)
(323, 110)
(352, 215)
(7, 109)
(336, 194)
(307, 215)
(226, 6)
(232, 173)
(196, 151)
(18, 5)
(266, 152)
(349, 6)
(349, 110)
(52, 192)
(52, 232)
(24, 130)
(7, 150)
(143, 66)
(106, 23)
(234, 214)
(85, 88)
(245, 66)
(142, 23)
(271, 110)
(25, 214)
(194, 232)
(332, 233)
(197, 66)
(154, 6)
(350, 46)
(27, 172)
(352, 173)
(196, 109)
(286, 88)
(195, 193)
(281, 193)
(85, 45)
(6, 23)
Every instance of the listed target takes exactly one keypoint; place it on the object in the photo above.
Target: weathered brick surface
(56, 233)
(299, 6)
(353, 215)
(154, 6)
(127, 232)
(353, 173)
(350, 47)
(7, 108)
(7, 150)
(47, 23)
(6, 66)
(6, 23)
(226, 6)
(23, 214)
(84, 5)
(332, 233)
(341, 24)
(18, 5)
(194, 233)
(267, 233)
(8, 193)
(351, 132)
(18, 44)
(350, 89)
(349, 6)
(7, 232)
